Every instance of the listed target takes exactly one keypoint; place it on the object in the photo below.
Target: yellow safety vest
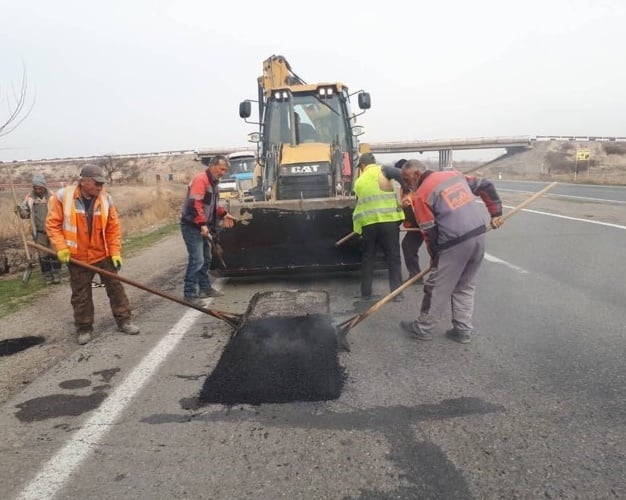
(373, 204)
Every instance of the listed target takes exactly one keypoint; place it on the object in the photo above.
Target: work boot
(85, 335)
(56, 279)
(414, 330)
(457, 336)
(211, 292)
(128, 328)
(48, 278)
(399, 298)
(197, 301)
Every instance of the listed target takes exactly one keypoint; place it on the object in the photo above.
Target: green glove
(117, 261)
(64, 255)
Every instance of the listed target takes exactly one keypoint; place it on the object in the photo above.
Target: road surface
(534, 407)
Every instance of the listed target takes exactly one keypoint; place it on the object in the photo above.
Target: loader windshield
(316, 120)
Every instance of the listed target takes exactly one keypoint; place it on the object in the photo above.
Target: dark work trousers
(453, 281)
(385, 235)
(82, 300)
(411, 243)
(48, 263)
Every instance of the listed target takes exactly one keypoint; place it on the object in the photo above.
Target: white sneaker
(128, 328)
(84, 337)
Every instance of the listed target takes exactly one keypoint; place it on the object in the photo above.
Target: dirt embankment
(604, 163)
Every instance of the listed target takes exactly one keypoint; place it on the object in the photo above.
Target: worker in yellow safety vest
(377, 217)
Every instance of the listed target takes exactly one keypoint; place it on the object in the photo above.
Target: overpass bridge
(443, 146)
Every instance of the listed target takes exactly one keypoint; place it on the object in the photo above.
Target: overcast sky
(142, 76)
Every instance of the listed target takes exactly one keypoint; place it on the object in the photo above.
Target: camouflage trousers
(82, 299)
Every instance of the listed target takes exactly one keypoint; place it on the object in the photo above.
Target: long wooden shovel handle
(347, 325)
(528, 201)
(231, 318)
(344, 239)
(355, 320)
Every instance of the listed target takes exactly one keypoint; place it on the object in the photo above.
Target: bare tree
(16, 105)
(110, 166)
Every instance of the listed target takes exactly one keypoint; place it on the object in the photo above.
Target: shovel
(346, 326)
(29, 269)
(231, 318)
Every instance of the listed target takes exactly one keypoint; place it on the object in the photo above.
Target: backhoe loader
(307, 150)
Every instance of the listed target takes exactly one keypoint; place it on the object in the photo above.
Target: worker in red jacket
(198, 225)
(454, 229)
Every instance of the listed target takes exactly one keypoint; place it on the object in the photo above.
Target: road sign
(582, 154)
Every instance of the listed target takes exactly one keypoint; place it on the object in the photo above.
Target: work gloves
(116, 260)
(64, 255)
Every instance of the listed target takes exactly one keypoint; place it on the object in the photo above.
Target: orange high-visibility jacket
(66, 226)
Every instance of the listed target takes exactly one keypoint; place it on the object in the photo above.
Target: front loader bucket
(290, 236)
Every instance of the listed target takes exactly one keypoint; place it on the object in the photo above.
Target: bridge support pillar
(445, 159)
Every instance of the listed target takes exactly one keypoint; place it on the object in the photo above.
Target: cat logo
(304, 169)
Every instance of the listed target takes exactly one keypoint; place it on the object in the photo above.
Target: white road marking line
(54, 474)
(554, 195)
(493, 258)
(608, 224)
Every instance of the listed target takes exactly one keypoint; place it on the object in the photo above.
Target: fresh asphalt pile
(278, 360)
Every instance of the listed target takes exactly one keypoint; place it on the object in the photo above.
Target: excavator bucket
(288, 236)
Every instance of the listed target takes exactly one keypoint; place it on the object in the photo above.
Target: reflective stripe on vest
(70, 230)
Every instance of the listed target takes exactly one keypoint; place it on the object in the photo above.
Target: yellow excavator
(307, 150)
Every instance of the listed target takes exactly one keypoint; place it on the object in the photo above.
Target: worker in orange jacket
(82, 225)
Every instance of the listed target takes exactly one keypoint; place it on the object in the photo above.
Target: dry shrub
(614, 148)
(142, 208)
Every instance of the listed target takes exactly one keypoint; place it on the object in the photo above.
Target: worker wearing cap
(377, 216)
(35, 208)
(83, 225)
(454, 230)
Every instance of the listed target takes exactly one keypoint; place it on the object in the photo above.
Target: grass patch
(134, 244)
(14, 294)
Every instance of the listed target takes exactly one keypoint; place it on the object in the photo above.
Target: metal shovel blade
(26, 276)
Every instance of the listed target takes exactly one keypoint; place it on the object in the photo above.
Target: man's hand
(64, 255)
(496, 222)
(228, 221)
(116, 260)
(204, 231)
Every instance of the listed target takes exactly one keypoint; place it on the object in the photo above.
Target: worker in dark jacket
(198, 224)
(454, 230)
(413, 238)
(377, 218)
(35, 208)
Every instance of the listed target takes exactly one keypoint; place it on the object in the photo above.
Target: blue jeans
(199, 250)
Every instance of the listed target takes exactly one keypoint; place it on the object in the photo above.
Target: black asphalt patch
(58, 405)
(13, 346)
(278, 360)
